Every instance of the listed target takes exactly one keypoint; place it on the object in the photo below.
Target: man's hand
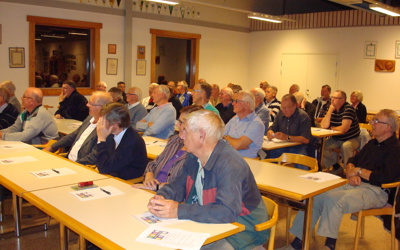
(58, 116)
(151, 183)
(351, 170)
(61, 98)
(270, 135)
(281, 136)
(103, 131)
(48, 148)
(163, 208)
(355, 180)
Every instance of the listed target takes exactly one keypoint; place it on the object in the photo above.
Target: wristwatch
(359, 172)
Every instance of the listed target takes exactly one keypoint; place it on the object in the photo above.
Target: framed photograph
(385, 65)
(370, 50)
(141, 52)
(140, 67)
(112, 49)
(397, 49)
(17, 57)
(112, 66)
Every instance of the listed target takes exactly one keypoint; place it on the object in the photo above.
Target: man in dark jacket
(72, 103)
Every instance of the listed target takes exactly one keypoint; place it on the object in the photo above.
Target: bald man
(34, 125)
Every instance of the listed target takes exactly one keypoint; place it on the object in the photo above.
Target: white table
(108, 222)
(154, 146)
(67, 126)
(270, 145)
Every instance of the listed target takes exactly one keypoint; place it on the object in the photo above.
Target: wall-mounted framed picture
(112, 49)
(397, 49)
(17, 57)
(370, 49)
(141, 52)
(112, 66)
(141, 67)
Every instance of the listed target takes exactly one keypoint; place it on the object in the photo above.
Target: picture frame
(112, 49)
(17, 57)
(140, 67)
(112, 66)
(141, 52)
(370, 49)
(397, 49)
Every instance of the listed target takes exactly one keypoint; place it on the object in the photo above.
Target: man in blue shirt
(245, 131)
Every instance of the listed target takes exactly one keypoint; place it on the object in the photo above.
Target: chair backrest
(307, 161)
(272, 209)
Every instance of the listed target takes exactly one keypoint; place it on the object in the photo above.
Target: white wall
(380, 89)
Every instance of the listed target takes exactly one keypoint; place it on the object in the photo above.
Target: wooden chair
(288, 159)
(47, 107)
(386, 210)
(272, 209)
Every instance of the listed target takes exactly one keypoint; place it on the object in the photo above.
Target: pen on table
(155, 142)
(55, 171)
(105, 191)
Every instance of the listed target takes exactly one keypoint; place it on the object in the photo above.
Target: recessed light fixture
(263, 17)
(385, 9)
(170, 2)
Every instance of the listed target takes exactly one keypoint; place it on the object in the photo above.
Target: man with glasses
(376, 164)
(225, 107)
(261, 110)
(202, 95)
(273, 104)
(245, 131)
(72, 103)
(34, 125)
(83, 140)
(341, 117)
(136, 110)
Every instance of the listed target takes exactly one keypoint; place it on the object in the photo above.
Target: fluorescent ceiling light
(264, 17)
(170, 2)
(385, 9)
(52, 36)
(77, 33)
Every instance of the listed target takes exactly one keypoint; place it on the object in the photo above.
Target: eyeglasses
(130, 94)
(237, 100)
(336, 98)
(94, 105)
(376, 121)
(27, 97)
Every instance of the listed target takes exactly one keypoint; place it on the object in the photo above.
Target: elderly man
(83, 140)
(13, 100)
(272, 104)
(201, 96)
(121, 151)
(291, 124)
(261, 110)
(214, 99)
(341, 117)
(183, 95)
(136, 110)
(294, 88)
(116, 95)
(8, 113)
(72, 103)
(303, 104)
(322, 103)
(101, 86)
(215, 184)
(225, 107)
(377, 163)
(34, 125)
(245, 131)
(161, 119)
(148, 102)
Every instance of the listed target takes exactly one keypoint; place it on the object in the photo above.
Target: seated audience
(34, 125)
(72, 103)
(225, 107)
(261, 110)
(101, 86)
(294, 88)
(172, 87)
(8, 113)
(148, 102)
(245, 131)
(53, 82)
(166, 166)
(215, 185)
(202, 95)
(76, 79)
(160, 121)
(356, 99)
(214, 99)
(377, 163)
(124, 154)
(236, 88)
(341, 117)
(175, 102)
(291, 124)
(39, 82)
(136, 110)
(121, 86)
(303, 104)
(322, 103)
(83, 140)
(13, 100)
(116, 95)
(273, 105)
(184, 96)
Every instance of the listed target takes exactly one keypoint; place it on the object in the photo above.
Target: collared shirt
(274, 106)
(118, 138)
(263, 112)
(2, 107)
(345, 112)
(133, 105)
(73, 154)
(250, 126)
(298, 124)
(210, 107)
(226, 112)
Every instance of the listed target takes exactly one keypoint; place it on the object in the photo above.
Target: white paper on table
(54, 172)
(96, 193)
(156, 143)
(15, 146)
(150, 219)
(15, 160)
(174, 238)
(320, 177)
(273, 140)
(74, 125)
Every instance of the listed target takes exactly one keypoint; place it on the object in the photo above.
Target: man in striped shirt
(273, 105)
(341, 117)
